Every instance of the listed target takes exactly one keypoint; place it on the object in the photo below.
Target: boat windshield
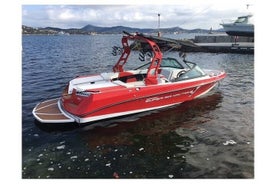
(166, 62)
(193, 72)
(242, 20)
(171, 62)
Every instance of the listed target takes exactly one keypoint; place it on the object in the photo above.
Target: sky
(187, 14)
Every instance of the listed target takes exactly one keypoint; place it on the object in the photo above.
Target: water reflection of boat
(153, 126)
(161, 82)
(242, 26)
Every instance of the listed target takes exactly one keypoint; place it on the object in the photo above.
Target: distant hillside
(91, 29)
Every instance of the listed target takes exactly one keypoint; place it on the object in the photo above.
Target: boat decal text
(191, 92)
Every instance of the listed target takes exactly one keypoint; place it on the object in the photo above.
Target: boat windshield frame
(242, 20)
(166, 62)
(194, 71)
(171, 62)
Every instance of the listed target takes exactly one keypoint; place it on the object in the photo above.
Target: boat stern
(50, 111)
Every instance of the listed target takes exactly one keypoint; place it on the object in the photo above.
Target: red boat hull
(118, 101)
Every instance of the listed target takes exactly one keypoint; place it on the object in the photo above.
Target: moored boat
(242, 26)
(160, 82)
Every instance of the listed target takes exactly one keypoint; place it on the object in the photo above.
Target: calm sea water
(210, 137)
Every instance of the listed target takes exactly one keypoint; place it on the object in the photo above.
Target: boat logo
(190, 93)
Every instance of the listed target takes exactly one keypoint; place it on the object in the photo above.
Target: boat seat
(129, 84)
(137, 83)
(108, 76)
(120, 83)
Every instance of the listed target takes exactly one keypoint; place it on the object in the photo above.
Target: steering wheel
(180, 73)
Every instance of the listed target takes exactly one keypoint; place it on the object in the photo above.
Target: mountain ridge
(92, 29)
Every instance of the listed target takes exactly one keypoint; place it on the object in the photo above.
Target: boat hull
(144, 103)
(239, 29)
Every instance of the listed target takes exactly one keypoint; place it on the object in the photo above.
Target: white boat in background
(242, 26)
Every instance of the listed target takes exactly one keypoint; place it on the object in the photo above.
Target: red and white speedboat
(162, 82)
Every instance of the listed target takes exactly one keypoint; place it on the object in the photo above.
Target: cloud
(187, 15)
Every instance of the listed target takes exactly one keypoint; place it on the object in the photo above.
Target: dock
(221, 38)
(238, 47)
(218, 43)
